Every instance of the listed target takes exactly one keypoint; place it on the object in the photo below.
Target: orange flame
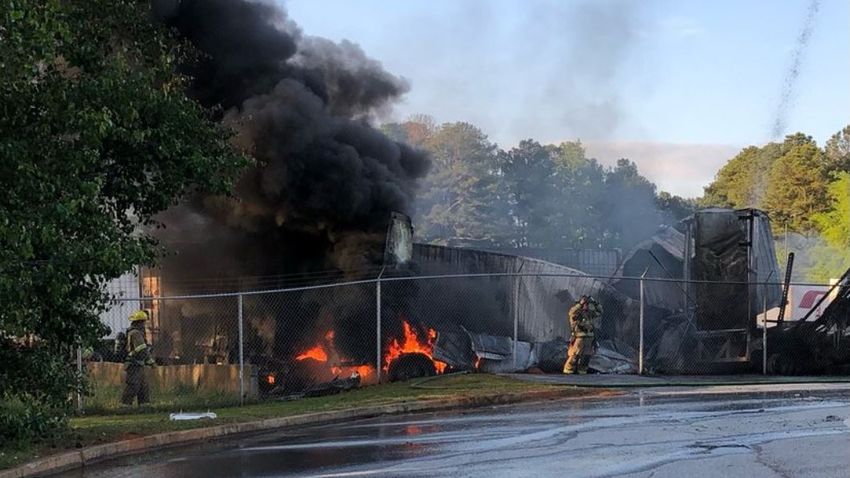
(325, 352)
(316, 353)
(412, 344)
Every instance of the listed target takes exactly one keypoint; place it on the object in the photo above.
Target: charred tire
(412, 365)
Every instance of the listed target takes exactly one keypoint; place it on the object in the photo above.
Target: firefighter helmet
(138, 315)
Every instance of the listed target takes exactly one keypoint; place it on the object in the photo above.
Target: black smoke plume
(325, 182)
(789, 84)
(318, 199)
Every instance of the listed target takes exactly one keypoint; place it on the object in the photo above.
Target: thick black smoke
(326, 181)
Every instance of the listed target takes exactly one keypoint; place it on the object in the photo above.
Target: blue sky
(676, 85)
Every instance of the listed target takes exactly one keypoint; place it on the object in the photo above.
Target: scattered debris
(192, 416)
(495, 354)
(333, 387)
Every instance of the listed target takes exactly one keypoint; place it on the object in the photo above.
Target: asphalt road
(755, 431)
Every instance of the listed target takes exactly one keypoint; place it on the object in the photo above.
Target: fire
(325, 352)
(412, 344)
(365, 371)
(315, 353)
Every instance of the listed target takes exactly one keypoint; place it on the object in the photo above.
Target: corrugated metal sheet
(595, 262)
(767, 267)
(659, 257)
(541, 303)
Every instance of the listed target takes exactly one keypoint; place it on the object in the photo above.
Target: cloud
(681, 169)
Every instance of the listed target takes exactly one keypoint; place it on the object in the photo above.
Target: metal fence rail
(238, 347)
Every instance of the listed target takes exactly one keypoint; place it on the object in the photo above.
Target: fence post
(80, 372)
(378, 329)
(640, 347)
(516, 318)
(241, 351)
(764, 335)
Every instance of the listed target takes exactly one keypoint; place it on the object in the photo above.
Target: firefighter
(138, 356)
(583, 317)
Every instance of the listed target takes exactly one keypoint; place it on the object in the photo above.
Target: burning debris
(319, 197)
(412, 344)
(324, 355)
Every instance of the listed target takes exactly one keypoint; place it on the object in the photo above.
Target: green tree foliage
(96, 136)
(837, 151)
(797, 185)
(577, 193)
(459, 199)
(742, 181)
(833, 257)
(528, 172)
(787, 179)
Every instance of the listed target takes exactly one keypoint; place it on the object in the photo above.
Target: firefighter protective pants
(578, 355)
(136, 386)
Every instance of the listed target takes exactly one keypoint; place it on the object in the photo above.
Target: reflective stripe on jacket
(137, 348)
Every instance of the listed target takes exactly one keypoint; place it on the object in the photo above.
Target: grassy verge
(96, 429)
(106, 399)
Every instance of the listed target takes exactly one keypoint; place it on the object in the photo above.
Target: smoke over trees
(532, 196)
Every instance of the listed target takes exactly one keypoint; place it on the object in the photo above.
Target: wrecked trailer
(730, 260)
(704, 290)
(820, 346)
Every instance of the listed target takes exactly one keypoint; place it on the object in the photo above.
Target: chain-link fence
(225, 349)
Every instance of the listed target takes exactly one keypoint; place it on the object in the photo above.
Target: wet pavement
(754, 431)
(615, 380)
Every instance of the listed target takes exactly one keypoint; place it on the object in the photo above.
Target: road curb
(695, 383)
(93, 454)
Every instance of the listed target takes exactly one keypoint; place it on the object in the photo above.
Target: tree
(577, 182)
(416, 131)
(742, 181)
(628, 206)
(832, 258)
(459, 198)
(838, 151)
(528, 174)
(96, 137)
(675, 208)
(797, 187)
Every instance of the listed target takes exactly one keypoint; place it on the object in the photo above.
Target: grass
(104, 428)
(106, 399)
